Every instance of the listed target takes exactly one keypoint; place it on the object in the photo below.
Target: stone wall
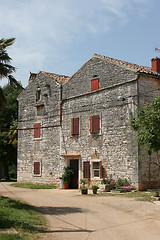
(116, 144)
(109, 74)
(47, 148)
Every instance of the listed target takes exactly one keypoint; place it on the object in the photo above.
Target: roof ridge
(128, 65)
(56, 77)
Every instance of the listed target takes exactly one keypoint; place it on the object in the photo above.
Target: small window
(37, 168)
(94, 124)
(38, 95)
(40, 110)
(97, 169)
(75, 126)
(37, 130)
(95, 84)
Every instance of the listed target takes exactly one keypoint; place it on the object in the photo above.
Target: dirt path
(72, 216)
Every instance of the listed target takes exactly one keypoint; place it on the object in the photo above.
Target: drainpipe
(60, 116)
(60, 93)
(60, 98)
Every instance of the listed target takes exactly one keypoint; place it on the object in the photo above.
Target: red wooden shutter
(36, 167)
(95, 84)
(86, 169)
(91, 125)
(74, 126)
(37, 130)
(100, 169)
(94, 124)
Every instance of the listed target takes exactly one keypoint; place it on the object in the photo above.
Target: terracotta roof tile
(59, 78)
(128, 65)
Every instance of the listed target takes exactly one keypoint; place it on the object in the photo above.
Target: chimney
(32, 77)
(155, 64)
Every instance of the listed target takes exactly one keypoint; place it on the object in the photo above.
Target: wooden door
(74, 178)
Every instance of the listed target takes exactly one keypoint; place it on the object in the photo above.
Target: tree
(147, 125)
(8, 138)
(6, 69)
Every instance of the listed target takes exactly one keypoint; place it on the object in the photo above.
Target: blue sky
(61, 35)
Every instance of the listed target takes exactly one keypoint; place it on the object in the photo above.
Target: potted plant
(94, 189)
(156, 196)
(84, 189)
(66, 177)
(108, 183)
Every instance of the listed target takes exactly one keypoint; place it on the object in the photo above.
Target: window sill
(36, 139)
(36, 175)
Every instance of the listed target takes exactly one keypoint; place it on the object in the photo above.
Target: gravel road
(73, 216)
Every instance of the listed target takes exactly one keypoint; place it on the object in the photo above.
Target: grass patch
(21, 217)
(139, 195)
(33, 186)
(5, 236)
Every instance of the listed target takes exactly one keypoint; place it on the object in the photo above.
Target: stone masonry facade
(65, 110)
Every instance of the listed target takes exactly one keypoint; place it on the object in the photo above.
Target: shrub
(95, 187)
(108, 180)
(83, 184)
(66, 176)
(121, 182)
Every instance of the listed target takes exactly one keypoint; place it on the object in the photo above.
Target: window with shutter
(37, 130)
(97, 169)
(86, 169)
(95, 84)
(94, 124)
(37, 168)
(75, 126)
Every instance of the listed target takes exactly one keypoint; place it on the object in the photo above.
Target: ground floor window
(93, 169)
(37, 168)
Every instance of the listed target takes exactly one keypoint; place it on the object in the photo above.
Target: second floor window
(75, 126)
(37, 130)
(94, 124)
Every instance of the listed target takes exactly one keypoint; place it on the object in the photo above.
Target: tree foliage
(6, 69)
(147, 125)
(8, 138)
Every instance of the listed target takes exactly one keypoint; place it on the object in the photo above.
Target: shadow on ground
(59, 210)
(63, 211)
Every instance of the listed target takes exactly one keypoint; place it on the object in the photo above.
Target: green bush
(122, 182)
(95, 187)
(12, 170)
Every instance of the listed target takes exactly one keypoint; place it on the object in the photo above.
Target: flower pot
(155, 198)
(94, 191)
(108, 187)
(65, 185)
(84, 191)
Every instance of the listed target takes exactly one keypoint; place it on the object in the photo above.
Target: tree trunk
(4, 171)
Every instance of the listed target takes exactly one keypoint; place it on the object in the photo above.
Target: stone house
(84, 122)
